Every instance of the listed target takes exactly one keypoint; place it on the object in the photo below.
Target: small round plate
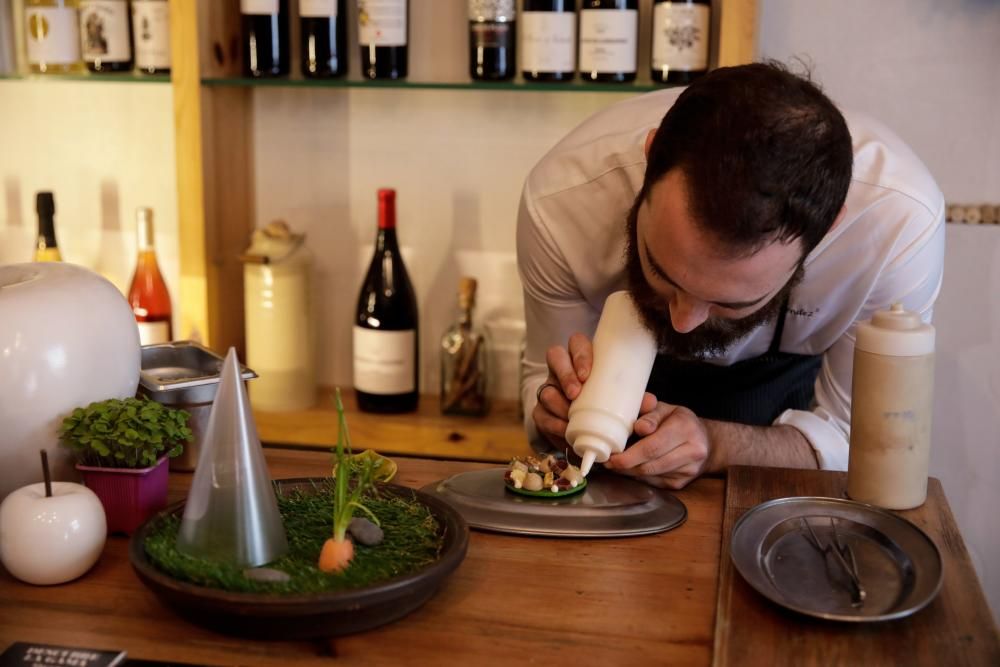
(784, 549)
(548, 494)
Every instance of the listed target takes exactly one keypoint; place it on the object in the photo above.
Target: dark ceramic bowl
(311, 615)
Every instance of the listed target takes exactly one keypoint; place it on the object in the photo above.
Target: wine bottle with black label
(265, 37)
(106, 35)
(386, 344)
(383, 33)
(680, 40)
(492, 40)
(609, 40)
(548, 40)
(323, 38)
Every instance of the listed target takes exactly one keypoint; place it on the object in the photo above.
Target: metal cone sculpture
(231, 514)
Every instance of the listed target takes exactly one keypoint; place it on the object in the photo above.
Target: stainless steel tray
(611, 506)
(181, 365)
(898, 565)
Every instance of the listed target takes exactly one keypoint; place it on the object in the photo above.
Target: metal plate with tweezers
(785, 549)
(610, 506)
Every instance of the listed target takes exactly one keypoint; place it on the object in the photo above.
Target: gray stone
(365, 532)
(267, 575)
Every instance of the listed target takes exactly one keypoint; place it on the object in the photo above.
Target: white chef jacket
(889, 248)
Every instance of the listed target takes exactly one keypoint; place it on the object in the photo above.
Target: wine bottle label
(384, 361)
(151, 333)
(608, 40)
(680, 37)
(318, 8)
(52, 35)
(104, 31)
(151, 33)
(382, 22)
(258, 6)
(491, 10)
(548, 41)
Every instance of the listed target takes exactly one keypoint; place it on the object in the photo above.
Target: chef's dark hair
(765, 154)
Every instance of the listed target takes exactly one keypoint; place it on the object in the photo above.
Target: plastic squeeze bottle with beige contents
(891, 410)
(602, 416)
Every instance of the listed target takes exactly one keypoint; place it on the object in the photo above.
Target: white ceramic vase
(67, 338)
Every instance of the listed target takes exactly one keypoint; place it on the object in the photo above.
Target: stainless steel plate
(610, 506)
(898, 565)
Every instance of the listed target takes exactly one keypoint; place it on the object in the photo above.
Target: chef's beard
(714, 336)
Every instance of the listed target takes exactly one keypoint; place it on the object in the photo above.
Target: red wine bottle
(609, 40)
(548, 40)
(492, 40)
(323, 39)
(680, 40)
(386, 360)
(383, 33)
(265, 37)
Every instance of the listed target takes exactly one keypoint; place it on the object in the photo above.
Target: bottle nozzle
(588, 461)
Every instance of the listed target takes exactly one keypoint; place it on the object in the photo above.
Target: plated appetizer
(544, 476)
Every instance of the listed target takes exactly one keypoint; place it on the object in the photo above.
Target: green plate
(548, 494)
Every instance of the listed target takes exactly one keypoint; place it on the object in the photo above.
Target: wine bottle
(52, 36)
(386, 366)
(147, 293)
(609, 40)
(265, 37)
(323, 38)
(492, 40)
(151, 36)
(464, 354)
(680, 40)
(46, 248)
(383, 27)
(106, 35)
(548, 40)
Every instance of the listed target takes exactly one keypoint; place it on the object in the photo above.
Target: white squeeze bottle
(602, 416)
(891, 406)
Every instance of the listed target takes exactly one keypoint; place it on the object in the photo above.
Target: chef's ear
(649, 141)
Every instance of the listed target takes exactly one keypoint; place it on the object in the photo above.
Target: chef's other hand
(569, 368)
(673, 448)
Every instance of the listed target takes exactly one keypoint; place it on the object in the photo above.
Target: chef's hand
(673, 450)
(569, 368)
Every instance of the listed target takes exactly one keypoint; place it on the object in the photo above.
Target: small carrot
(336, 555)
(338, 550)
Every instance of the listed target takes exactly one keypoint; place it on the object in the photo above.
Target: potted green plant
(122, 447)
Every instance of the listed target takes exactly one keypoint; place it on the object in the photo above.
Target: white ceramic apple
(67, 338)
(54, 539)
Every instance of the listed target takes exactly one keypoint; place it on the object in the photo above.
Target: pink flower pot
(130, 496)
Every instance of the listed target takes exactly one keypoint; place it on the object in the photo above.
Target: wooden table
(513, 601)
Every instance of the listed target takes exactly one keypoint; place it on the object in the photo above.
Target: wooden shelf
(496, 437)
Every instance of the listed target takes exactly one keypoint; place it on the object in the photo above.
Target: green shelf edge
(515, 86)
(89, 78)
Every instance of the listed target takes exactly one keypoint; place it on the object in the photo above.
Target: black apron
(753, 391)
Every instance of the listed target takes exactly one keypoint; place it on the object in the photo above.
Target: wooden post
(737, 31)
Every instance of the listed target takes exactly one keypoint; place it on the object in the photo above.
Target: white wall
(929, 69)
(104, 149)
